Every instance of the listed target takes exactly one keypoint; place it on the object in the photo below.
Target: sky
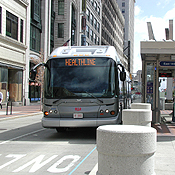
(158, 12)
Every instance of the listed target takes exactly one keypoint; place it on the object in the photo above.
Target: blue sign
(167, 63)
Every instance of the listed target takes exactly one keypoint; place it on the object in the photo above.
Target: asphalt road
(28, 148)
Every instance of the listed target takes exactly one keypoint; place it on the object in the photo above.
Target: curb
(19, 116)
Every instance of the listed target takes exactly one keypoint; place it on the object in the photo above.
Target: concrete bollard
(126, 150)
(141, 106)
(141, 117)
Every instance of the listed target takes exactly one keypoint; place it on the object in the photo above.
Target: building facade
(41, 41)
(13, 36)
(72, 22)
(112, 27)
(93, 22)
(127, 9)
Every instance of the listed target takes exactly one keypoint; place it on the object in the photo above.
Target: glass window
(35, 38)
(15, 84)
(11, 25)
(95, 6)
(60, 30)
(36, 10)
(87, 31)
(60, 7)
(98, 10)
(91, 19)
(88, 14)
(91, 35)
(21, 31)
(95, 38)
(64, 81)
(150, 79)
(98, 27)
(95, 23)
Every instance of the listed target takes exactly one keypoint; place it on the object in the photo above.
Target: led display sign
(80, 62)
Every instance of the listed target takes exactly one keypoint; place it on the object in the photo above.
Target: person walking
(1, 98)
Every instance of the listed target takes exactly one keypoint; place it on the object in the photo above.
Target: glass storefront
(15, 85)
(11, 84)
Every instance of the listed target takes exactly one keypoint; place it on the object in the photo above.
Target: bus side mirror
(32, 74)
(122, 76)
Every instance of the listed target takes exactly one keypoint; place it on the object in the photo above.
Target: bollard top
(127, 129)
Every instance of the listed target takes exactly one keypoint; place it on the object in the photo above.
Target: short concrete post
(141, 106)
(141, 117)
(126, 150)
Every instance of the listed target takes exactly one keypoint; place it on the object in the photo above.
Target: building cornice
(22, 2)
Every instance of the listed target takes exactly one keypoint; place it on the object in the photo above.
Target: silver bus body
(86, 103)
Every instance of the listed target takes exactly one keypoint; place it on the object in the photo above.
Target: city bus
(81, 87)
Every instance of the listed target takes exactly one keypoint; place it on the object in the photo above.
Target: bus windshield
(80, 78)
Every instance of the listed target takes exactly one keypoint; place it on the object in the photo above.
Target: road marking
(82, 161)
(17, 157)
(37, 163)
(54, 169)
(22, 136)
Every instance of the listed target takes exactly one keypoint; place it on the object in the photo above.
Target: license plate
(78, 115)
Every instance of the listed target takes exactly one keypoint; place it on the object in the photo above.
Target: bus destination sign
(80, 62)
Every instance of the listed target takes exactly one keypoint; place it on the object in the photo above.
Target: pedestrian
(1, 98)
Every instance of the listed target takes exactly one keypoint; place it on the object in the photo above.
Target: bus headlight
(107, 111)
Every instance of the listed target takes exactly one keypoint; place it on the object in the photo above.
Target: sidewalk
(165, 153)
(19, 111)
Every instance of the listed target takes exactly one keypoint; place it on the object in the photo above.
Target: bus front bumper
(55, 122)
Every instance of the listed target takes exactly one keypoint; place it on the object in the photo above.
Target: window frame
(60, 30)
(11, 25)
(60, 7)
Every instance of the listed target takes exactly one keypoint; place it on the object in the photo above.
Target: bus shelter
(158, 60)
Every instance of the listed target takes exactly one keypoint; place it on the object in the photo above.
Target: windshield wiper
(56, 101)
(94, 96)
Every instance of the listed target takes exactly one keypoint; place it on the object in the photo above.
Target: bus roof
(86, 51)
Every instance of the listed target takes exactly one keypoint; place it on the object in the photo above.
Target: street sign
(167, 63)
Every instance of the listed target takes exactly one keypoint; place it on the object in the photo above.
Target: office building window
(11, 25)
(36, 10)
(95, 23)
(88, 14)
(21, 31)
(91, 19)
(91, 35)
(123, 4)
(35, 38)
(60, 7)
(98, 41)
(95, 6)
(98, 27)
(98, 10)
(87, 31)
(60, 30)
(95, 38)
